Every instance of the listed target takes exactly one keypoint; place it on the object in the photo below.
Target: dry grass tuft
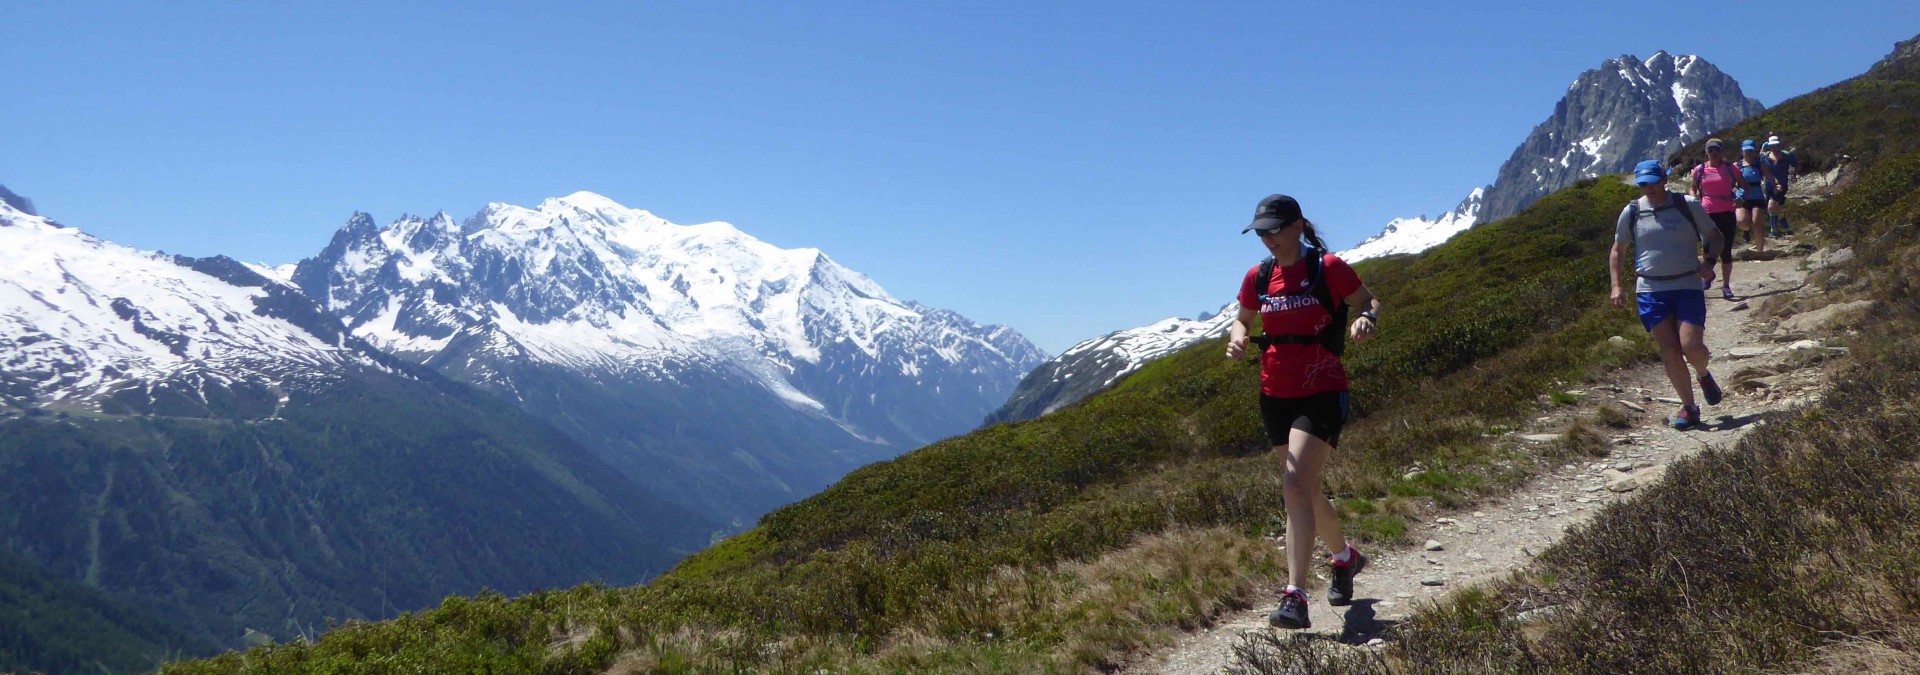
(1581, 440)
(1610, 416)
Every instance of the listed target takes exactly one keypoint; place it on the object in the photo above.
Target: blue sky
(1067, 168)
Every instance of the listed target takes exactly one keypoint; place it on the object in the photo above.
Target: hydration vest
(1674, 201)
(1334, 336)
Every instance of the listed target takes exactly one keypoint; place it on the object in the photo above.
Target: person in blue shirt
(1663, 232)
(1753, 203)
(1782, 166)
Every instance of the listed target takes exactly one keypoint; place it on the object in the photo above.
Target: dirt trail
(1499, 537)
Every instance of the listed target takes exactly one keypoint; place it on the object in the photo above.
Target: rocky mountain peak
(17, 202)
(1905, 57)
(1615, 115)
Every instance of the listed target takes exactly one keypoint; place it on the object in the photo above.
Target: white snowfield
(1413, 235)
(1139, 346)
(589, 284)
(81, 318)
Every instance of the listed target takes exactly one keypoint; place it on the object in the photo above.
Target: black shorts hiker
(1321, 414)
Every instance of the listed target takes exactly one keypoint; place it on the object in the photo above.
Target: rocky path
(1496, 538)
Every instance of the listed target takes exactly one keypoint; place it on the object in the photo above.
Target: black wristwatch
(1370, 316)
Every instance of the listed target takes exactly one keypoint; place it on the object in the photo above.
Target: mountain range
(527, 399)
(213, 447)
(712, 368)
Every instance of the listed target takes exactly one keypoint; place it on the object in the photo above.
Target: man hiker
(1663, 232)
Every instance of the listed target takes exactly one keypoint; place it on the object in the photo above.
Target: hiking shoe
(1726, 292)
(1688, 416)
(1340, 592)
(1292, 614)
(1710, 388)
(1706, 284)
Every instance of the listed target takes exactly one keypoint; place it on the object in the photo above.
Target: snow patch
(1413, 235)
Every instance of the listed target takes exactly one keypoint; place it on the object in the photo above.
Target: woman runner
(1753, 207)
(1715, 184)
(1303, 386)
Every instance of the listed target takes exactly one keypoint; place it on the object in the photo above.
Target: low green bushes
(1014, 531)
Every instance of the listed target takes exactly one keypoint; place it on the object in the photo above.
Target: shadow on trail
(1362, 624)
(1764, 294)
(1729, 422)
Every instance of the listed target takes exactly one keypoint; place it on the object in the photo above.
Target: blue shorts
(1688, 305)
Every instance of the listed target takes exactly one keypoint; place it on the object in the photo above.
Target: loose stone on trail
(1433, 545)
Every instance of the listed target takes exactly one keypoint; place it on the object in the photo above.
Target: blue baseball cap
(1748, 145)
(1648, 172)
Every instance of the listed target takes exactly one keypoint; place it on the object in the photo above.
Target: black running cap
(1274, 212)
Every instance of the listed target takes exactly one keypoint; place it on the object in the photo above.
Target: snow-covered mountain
(212, 445)
(101, 327)
(1413, 235)
(1090, 366)
(1614, 116)
(797, 367)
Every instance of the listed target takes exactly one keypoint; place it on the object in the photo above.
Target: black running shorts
(1320, 414)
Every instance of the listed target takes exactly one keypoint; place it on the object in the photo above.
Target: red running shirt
(1295, 370)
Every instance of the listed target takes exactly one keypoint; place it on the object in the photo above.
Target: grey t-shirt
(1664, 244)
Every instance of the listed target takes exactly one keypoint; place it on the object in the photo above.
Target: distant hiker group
(1299, 296)
(1736, 194)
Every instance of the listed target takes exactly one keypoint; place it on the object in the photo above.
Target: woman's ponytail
(1313, 238)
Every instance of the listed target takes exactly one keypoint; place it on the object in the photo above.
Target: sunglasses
(1713, 149)
(1272, 232)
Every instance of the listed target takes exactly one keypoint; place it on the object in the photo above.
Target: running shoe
(1292, 614)
(1710, 388)
(1726, 292)
(1688, 416)
(1340, 592)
